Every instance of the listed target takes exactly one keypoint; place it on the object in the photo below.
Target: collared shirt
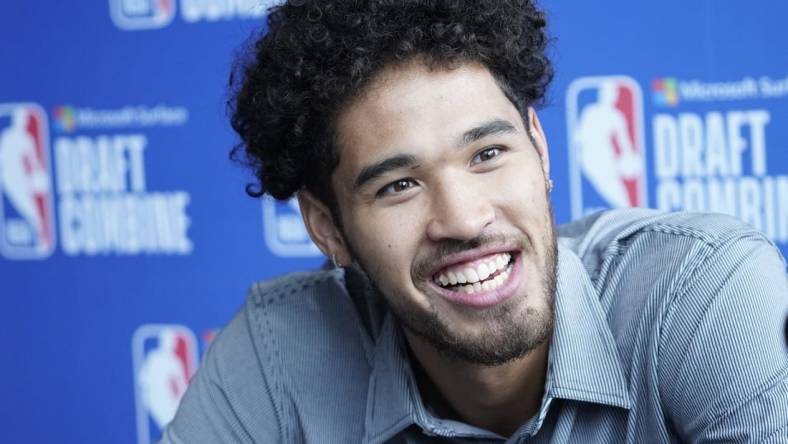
(668, 328)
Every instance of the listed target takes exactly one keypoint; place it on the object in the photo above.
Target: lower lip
(489, 298)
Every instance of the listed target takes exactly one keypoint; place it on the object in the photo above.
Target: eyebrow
(495, 126)
(383, 167)
(379, 169)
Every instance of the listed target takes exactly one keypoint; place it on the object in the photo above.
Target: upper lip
(468, 256)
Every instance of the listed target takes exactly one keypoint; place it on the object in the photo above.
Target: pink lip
(485, 299)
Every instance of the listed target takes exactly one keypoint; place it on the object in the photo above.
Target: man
(456, 312)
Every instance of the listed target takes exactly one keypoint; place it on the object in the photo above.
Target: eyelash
(383, 191)
(411, 182)
(499, 149)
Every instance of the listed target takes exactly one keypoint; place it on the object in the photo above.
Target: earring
(549, 184)
(334, 260)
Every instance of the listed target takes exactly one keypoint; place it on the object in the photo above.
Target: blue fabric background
(67, 321)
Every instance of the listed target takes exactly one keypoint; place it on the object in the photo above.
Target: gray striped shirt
(668, 328)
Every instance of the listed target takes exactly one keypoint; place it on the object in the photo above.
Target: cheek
(385, 241)
(524, 191)
(386, 251)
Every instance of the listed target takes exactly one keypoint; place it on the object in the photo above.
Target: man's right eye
(396, 187)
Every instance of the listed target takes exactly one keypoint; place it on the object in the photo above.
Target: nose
(458, 212)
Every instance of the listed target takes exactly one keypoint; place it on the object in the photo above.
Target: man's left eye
(486, 154)
(397, 187)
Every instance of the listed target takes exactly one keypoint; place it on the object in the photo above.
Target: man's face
(443, 200)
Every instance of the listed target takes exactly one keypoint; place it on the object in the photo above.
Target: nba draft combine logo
(27, 221)
(103, 202)
(607, 157)
(165, 359)
(711, 156)
(716, 159)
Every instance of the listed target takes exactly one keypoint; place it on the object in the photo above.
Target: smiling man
(456, 311)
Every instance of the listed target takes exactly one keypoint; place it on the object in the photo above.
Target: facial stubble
(510, 332)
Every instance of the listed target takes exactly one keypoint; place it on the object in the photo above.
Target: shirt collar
(390, 407)
(583, 361)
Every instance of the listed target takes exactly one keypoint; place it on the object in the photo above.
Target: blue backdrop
(126, 238)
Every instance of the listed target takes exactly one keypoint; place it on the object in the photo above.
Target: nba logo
(133, 15)
(27, 218)
(607, 154)
(165, 358)
(284, 231)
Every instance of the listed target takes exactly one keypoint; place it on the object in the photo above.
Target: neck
(499, 399)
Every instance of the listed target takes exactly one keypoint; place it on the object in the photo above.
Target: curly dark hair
(318, 54)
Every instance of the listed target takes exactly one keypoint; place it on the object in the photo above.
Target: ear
(322, 228)
(539, 139)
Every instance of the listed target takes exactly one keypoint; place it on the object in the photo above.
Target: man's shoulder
(602, 235)
(301, 309)
(606, 226)
(647, 264)
(292, 322)
(691, 299)
(296, 290)
(276, 308)
(290, 352)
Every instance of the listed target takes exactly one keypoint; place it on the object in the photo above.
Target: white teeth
(470, 275)
(483, 272)
(487, 285)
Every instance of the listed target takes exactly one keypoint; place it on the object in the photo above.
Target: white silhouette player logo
(25, 183)
(606, 147)
(162, 373)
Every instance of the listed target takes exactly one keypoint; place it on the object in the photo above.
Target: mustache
(454, 246)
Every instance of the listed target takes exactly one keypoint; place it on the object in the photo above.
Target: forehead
(411, 108)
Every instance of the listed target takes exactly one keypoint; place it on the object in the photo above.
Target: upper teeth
(470, 275)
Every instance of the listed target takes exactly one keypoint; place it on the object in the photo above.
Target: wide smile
(481, 282)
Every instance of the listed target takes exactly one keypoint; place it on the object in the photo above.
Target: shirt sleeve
(228, 399)
(723, 358)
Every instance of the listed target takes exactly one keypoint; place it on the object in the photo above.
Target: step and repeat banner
(126, 239)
